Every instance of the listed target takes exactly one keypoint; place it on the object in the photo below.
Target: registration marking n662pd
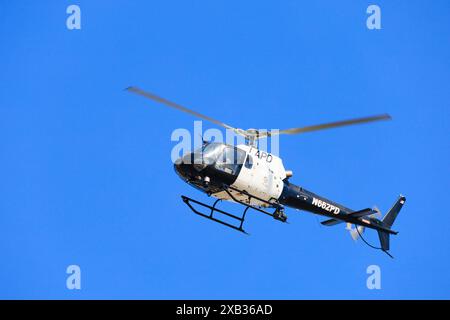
(326, 206)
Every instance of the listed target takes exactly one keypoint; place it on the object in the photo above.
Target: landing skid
(278, 214)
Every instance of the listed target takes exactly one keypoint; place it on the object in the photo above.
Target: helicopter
(257, 180)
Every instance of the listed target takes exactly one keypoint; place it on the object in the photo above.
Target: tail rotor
(357, 231)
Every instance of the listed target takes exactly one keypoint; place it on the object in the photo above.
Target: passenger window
(249, 162)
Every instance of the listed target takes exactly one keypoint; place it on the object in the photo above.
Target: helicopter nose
(182, 169)
(189, 166)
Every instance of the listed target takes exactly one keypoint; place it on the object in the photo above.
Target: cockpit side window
(231, 160)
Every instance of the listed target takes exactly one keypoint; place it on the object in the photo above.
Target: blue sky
(86, 174)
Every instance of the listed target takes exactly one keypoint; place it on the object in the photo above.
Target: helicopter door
(245, 181)
(248, 171)
(251, 179)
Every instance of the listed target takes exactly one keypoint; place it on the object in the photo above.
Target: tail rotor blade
(377, 212)
(356, 232)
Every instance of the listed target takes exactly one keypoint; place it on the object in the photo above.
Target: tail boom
(302, 199)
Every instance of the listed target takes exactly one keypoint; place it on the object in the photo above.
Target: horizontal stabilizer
(356, 214)
(331, 222)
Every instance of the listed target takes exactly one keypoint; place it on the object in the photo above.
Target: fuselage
(252, 171)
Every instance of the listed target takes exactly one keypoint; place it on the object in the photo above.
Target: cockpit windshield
(211, 152)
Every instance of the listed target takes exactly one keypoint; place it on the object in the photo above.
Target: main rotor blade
(332, 125)
(174, 105)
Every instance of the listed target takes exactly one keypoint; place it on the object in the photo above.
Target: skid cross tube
(278, 209)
